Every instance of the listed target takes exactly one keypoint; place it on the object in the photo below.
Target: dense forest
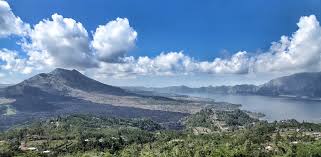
(87, 135)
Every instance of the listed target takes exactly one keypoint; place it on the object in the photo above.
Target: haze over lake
(274, 108)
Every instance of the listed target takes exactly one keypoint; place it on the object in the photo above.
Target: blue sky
(203, 31)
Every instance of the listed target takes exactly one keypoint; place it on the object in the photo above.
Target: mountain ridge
(62, 82)
(305, 84)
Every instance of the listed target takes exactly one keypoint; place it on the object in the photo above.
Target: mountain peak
(64, 71)
(63, 80)
(72, 76)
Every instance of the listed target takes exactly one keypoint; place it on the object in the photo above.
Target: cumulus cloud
(60, 42)
(173, 63)
(64, 42)
(300, 52)
(237, 64)
(113, 40)
(164, 64)
(9, 23)
(13, 63)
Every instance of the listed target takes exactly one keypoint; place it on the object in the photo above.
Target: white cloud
(300, 52)
(173, 63)
(64, 42)
(9, 23)
(12, 62)
(67, 44)
(61, 42)
(165, 64)
(237, 64)
(113, 40)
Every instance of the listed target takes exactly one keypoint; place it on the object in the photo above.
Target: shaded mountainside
(42, 91)
(61, 82)
(301, 84)
(45, 91)
(64, 92)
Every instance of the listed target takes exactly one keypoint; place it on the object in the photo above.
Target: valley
(65, 113)
(63, 92)
(207, 133)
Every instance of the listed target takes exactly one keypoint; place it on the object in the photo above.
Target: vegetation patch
(87, 135)
(7, 110)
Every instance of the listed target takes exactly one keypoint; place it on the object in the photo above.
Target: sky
(160, 43)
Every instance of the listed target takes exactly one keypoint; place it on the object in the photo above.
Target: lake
(275, 108)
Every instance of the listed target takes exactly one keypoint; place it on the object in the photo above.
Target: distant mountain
(306, 84)
(238, 89)
(61, 82)
(2, 88)
(4, 85)
(300, 84)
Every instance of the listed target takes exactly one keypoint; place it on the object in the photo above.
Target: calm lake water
(275, 108)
